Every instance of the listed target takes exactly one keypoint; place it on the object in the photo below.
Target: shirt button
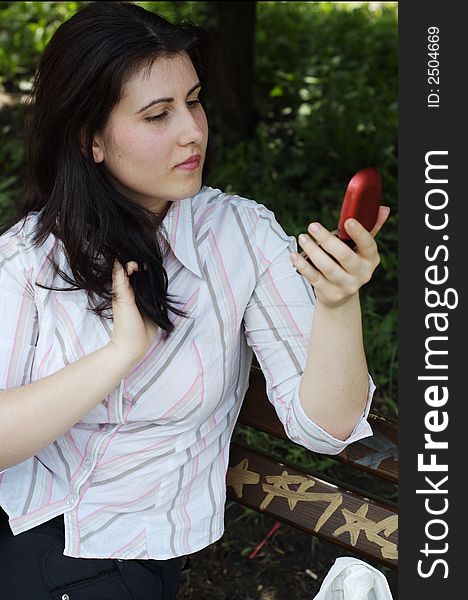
(65, 597)
(71, 500)
(87, 462)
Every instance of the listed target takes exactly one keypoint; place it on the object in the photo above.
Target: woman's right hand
(132, 334)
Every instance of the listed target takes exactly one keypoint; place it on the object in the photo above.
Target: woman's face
(158, 124)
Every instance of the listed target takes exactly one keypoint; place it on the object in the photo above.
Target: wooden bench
(361, 522)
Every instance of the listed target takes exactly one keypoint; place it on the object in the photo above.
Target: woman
(117, 406)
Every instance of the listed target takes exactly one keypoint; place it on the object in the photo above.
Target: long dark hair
(79, 80)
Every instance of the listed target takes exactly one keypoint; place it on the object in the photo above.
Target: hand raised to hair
(132, 334)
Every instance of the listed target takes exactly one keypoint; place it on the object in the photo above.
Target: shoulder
(243, 224)
(20, 237)
(221, 209)
(20, 256)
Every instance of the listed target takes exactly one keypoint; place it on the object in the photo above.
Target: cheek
(203, 123)
(138, 145)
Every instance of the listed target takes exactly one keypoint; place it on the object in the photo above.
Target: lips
(195, 158)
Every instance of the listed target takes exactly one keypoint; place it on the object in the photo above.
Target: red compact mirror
(361, 201)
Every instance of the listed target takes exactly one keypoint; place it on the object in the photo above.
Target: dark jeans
(33, 567)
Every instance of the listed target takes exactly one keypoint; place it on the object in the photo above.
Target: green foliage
(326, 101)
(11, 160)
(26, 29)
(178, 11)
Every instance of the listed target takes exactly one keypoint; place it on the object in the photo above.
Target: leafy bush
(26, 29)
(12, 158)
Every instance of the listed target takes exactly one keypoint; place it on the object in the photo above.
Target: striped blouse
(142, 475)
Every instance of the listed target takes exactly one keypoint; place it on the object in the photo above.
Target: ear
(98, 151)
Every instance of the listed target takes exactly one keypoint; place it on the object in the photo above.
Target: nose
(192, 126)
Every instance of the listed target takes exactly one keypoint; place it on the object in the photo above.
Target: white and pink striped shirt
(143, 474)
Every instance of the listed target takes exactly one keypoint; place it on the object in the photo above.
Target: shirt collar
(178, 230)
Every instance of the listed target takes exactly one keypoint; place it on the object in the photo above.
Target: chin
(190, 189)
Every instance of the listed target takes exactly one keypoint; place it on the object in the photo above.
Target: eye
(157, 117)
(194, 103)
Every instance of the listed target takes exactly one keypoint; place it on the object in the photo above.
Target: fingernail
(351, 223)
(302, 239)
(314, 227)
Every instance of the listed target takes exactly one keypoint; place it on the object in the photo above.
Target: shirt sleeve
(277, 324)
(18, 321)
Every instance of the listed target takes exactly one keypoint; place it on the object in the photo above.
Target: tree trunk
(231, 31)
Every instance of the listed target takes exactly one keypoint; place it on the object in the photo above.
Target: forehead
(167, 77)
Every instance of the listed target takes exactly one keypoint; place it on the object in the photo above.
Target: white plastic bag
(353, 579)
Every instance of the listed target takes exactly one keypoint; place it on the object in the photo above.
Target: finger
(304, 267)
(384, 212)
(131, 267)
(121, 286)
(365, 243)
(340, 251)
(323, 289)
(118, 274)
(320, 259)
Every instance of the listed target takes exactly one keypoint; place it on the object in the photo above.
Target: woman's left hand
(336, 282)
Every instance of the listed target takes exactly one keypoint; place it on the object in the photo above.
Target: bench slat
(377, 455)
(356, 523)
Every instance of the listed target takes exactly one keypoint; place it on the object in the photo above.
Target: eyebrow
(153, 102)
